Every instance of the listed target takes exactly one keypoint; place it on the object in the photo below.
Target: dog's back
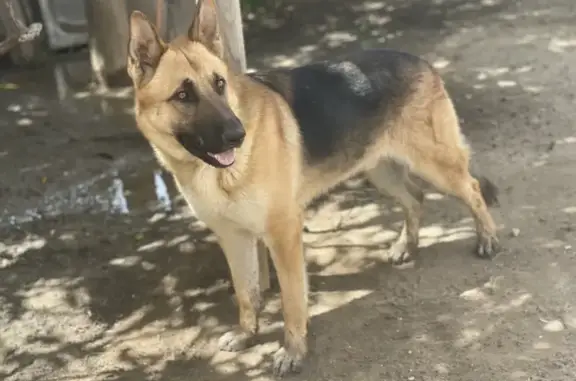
(340, 105)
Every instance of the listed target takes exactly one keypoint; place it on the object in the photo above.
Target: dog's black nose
(234, 135)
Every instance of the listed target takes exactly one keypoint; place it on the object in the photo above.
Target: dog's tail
(489, 190)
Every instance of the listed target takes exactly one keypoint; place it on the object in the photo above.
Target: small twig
(24, 33)
(8, 44)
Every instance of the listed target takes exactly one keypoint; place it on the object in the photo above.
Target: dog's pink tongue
(225, 158)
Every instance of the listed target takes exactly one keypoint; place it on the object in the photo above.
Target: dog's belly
(317, 180)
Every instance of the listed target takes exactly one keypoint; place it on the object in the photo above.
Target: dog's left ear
(205, 28)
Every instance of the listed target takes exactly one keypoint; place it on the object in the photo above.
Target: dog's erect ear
(205, 28)
(145, 48)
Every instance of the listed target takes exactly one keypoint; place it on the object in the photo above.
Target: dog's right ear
(145, 48)
(205, 28)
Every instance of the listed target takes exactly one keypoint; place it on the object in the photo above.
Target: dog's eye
(219, 84)
(186, 93)
(182, 95)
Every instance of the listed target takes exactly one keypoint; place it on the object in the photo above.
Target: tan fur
(263, 195)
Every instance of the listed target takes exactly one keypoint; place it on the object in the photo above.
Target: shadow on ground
(151, 295)
(145, 297)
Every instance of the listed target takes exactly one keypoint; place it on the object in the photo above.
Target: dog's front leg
(241, 254)
(284, 238)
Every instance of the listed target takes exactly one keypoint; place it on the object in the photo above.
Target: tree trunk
(230, 19)
(108, 38)
(177, 17)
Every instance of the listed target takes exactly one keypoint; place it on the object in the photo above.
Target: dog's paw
(235, 340)
(400, 255)
(487, 247)
(286, 363)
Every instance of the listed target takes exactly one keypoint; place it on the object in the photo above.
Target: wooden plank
(230, 18)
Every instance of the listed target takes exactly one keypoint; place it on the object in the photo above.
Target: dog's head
(183, 91)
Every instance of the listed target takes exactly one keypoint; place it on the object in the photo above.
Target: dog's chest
(218, 209)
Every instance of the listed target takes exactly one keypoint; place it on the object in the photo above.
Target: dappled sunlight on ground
(158, 299)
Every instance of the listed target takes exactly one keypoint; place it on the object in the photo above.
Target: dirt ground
(88, 294)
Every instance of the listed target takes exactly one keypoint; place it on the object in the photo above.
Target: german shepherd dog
(249, 152)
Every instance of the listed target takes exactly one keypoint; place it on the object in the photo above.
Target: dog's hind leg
(457, 181)
(442, 159)
(241, 254)
(392, 178)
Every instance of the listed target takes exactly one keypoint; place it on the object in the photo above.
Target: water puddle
(54, 100)
(119, 204)
(48, 103)
(117, 192)
(63, 86)
(136, 193)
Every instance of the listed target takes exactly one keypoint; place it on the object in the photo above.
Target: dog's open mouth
(226, 158)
